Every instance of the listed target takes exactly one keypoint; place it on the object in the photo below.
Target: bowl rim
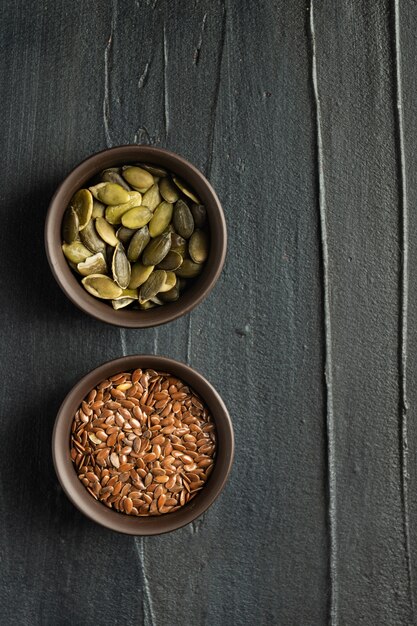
(98, 309)
(108, 518)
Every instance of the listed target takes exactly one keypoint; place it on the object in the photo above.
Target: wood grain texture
(302, 116)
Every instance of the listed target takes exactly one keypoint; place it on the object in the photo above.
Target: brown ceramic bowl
(66, 278)
(120, 522)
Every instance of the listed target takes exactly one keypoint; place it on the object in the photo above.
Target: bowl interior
(82, 174)
(120, 522)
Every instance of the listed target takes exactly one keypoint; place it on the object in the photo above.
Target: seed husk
(114, 214)
(121, 303)
(168, 190)
(152, 285)
(139, 274)
(170, 282)
(120, 267)
(185, 190)
(82, 203)
(106, 231)
(70, 226)
(112, 175)
(124, 235)
(138, 243)
(183, 219)
(199, 214)
(90, 238)
(98, 209)
(153, 169)
(137, 177)
(171, 262)
(76, 252)
(95, 264)
(156, 250)
(198, 246)
(172, 295)
(110, 193)
(189, 269)
(136, 217)
(101, 286)
(152, 197)
(161, 219)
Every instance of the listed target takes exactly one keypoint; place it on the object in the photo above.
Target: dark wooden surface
(303, 118)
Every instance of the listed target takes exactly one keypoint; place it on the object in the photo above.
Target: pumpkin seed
(185, 190)
(189, 269)
(138, 243)
(198, 246)
(130, 293)
(161, 219)
(147, 305)
(139, 274)
(106, 231)
(156, 300)
(171, 262)
(152, 197)
(137, 177)
(112, 175)
(120, 267)
(178, 244)
(114, 214)
(183, 219)
(90, 238)
(82, 203)
(153, 169)
(101, 286)
(110, 193)
(95, 264)
(172, 295)
(76, 252)
(121, 303)
(98, 209)
(199, 214)
(137, 217)
(124, 234)
(70, 225)
(156, 250)
(168, 190)
(170, 282)
(152, 285)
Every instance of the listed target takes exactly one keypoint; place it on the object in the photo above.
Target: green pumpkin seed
(199, 214)
(70, 225)
(189, 269)
(137, 177)
(110, 193)
(82, 203)
(95, 264)
(161, 219)
(139, 274)
(137, 217)
(153, 169)
(156, 250)
(198, 246)
(130, 293)
(114, 213)
(138, 243)
(183, 220)
(124, 234)
(185, 190)
(112, 175)
(120, 267)
(152, 197)
(90, 238)
(171, 262)
(106, 231)
(156, 300)
(76, 252)
(98, 209)
(170, 282)
(178, 244)
(152, 286)
(121, 303)
(170, 296)
(168, 190)
(146, 305)
(101, 286)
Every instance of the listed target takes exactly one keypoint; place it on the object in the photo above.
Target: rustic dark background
(304, 119)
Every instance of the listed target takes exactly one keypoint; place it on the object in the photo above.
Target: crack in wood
(197, 51)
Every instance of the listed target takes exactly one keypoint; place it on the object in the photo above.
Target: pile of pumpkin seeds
(138, 236)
